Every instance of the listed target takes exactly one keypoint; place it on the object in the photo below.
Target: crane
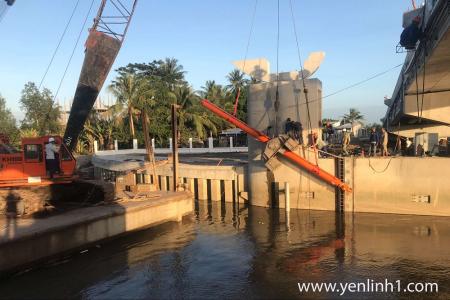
(102, 46)
(106, 36)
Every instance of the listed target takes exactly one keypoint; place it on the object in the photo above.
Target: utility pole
(175, 145)
(149, 147)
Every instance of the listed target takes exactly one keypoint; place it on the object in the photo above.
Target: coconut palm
(171, 72)
(126, 87)
(352, 116)
(236, 81)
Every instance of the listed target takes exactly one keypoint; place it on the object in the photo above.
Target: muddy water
(226, 252)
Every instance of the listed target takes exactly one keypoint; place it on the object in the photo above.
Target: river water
(226, 252)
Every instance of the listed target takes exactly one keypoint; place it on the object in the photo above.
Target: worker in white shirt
(51, 157)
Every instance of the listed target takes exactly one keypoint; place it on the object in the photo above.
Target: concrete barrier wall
(399, 185)
(306, 191)
(55, 235)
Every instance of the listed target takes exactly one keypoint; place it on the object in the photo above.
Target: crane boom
(292, 156)
(102, 46)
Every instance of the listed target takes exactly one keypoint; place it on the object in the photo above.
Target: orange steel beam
(292, 156)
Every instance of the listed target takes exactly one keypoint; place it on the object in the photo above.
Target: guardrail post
(153, 144)
(210, 143)
(170, 143)
(190, 144)
(135, 144)
(95, 146)
(231, 142)
(116, 145)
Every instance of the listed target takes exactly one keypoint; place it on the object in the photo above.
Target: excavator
(27, 167)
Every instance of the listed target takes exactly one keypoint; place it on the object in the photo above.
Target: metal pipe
(292, 156)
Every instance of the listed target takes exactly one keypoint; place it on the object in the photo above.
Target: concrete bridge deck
(421, 99)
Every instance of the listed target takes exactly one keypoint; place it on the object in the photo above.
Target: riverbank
(27, 241)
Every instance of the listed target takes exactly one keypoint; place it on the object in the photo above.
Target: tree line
(140, 89)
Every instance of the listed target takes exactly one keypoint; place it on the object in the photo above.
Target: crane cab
(28, 166)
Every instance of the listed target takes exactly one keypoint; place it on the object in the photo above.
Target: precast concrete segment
(292, 156)
(101, 51)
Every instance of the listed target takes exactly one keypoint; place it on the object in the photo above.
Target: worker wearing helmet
(51, 157)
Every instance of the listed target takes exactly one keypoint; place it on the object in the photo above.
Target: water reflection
(231, 251)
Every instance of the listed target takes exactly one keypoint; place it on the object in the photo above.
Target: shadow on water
(231, 251)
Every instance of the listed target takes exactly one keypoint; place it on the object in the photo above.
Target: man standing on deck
(374, 140)
(345, 141)
(51, 157)
(384, 139)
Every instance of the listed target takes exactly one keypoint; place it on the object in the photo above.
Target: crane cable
(277, 94)
(245, 56)
(305, 90)
(74, 48)
(59, 43)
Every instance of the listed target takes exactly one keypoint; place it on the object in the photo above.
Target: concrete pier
(27, 241)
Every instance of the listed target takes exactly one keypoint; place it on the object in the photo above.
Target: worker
(289, 128)
(330, 132)
(384, 140)
(298, 132)
(374, 141)
(345, 141)
(411, 34)
(408, 147)
(51, 157)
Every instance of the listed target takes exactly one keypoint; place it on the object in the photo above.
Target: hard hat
(51, 140)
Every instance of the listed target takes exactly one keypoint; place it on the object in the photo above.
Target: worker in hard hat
(52, 157)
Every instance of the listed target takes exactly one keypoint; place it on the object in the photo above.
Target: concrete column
(135, 144)
(231, 142)
(191, 185)
(116, 145)
(153, 144)
(164, 183)
(170, 187)
(202, 189)
(287, 197)
(170, 143)
(190, 144)
(210, 143)
(215, 190)
(228, 190)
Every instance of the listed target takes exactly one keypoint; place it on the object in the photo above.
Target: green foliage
(41, 112)
(153, 87)
(8, 124)
(352, 116)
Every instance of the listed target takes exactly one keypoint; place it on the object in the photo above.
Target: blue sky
(359, 38)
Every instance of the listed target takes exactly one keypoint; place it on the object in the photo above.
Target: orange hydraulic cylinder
(292, 156)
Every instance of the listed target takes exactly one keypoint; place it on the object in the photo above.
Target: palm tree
(192, 115)
(352, 116)
(126, 87)
(236, 81)
(171, 72)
